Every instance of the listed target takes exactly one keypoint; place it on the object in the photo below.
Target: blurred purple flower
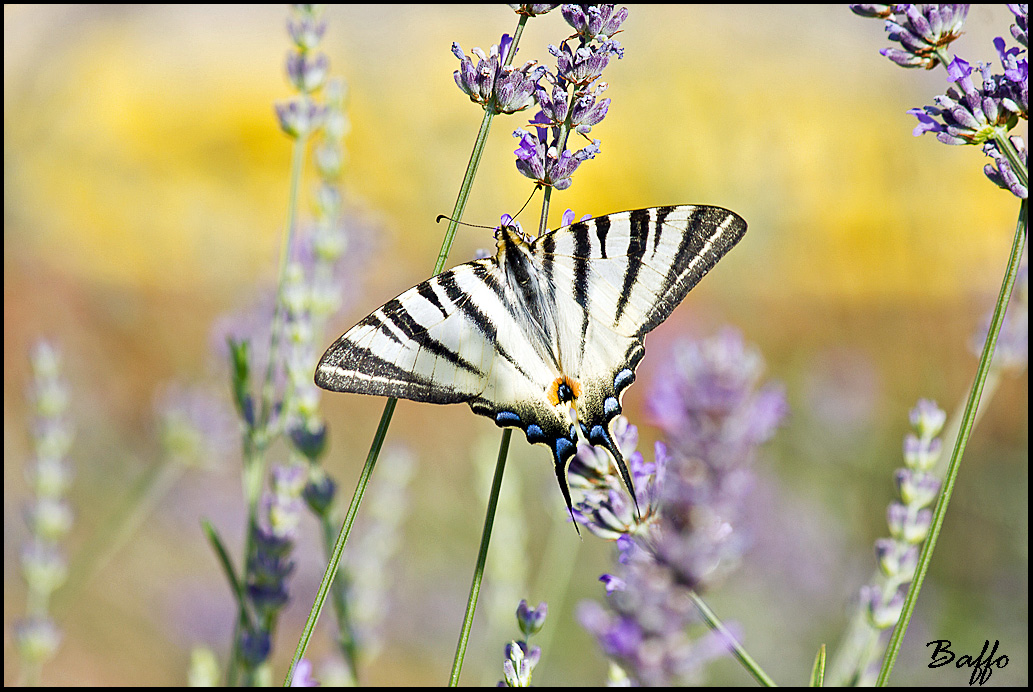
(1020, 29)
(303, 675)
(715, 416)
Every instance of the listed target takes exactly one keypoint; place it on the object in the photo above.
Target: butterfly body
(544, 336)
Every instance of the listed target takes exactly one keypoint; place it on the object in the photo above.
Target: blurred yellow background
(145, 189)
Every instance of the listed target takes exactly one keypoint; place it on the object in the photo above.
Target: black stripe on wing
(709, 233)
(400, 317)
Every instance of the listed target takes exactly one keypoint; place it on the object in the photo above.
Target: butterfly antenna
(461, 223)
(536, 189)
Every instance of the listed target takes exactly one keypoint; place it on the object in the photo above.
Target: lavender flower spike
(490, 82)
(922, 30)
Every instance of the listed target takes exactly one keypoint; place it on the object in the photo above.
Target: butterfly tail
(563, 448)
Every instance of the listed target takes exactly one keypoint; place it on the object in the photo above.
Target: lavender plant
(968, 113)
(48, 516)
(715, 416)
(521, 658)
(284, 403)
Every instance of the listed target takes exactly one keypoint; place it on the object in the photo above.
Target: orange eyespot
(563, 389)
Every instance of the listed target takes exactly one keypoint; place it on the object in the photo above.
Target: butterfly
(546, 334)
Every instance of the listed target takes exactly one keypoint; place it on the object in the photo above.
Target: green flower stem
(482, 557)
(959, 447)
(342, 538)
(740, 653)
(339, 599)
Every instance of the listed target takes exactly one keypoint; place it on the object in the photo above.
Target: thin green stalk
(740, 653)
(339, 600)
(968, 420)
(482, 557)
(342, 538)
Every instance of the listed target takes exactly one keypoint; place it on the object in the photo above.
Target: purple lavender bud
(554, 107)
(515, 88)
(896, 559)
(255, 647)
(506, 88)
(530, 620)
(1020, 30)
(921, 454)
(916, 488)
(594, 21)
(307, 72)
(319, 491)
(308, 437)
(37, 639)
(587, 112)
(299, 117)
(612, 583)
(306, 32)
(927, 418)
(883, 613)
(477, 82)
(584, 65)
(303, 675)
(921, 30)
(530, 156)
(872, 11)
(532, 10)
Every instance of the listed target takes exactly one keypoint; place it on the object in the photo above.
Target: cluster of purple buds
(270, 563)
(594, 21)
(520, 656)
(921, 30)
(492, 82)
(909, 518)
(571, 100)
(542, 162)
(306, 71)
(971, 115)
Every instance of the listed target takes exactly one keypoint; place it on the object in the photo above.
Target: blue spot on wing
(564, 448)
(534, 434)
(611, 407)
(503, 418)
(623, 379)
